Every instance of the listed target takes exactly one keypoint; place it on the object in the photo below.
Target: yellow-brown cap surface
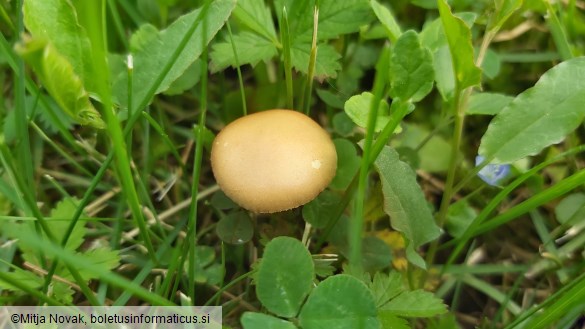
(273, 160)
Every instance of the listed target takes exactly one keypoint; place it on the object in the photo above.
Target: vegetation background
(458, 200)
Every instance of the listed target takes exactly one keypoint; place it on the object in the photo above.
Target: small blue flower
(492, 173)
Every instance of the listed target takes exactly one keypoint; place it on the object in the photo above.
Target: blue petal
(492, 173)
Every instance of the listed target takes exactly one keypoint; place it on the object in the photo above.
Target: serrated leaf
(102, 256)
(459, 39)
(26, 278)
(61, 81)
(391, 321)
(157, 49)
(411, 68)
(326, 65)
(252, 320)
(251, 49)
(335, 17)
(384, 287)
(65, 209)
(358, 106)
(340, 301)
(417, 303)
(540, 116)
(405, 203)
(56, 21)
(488, 103)
(256, 16)
(283, 284)
(387, 19)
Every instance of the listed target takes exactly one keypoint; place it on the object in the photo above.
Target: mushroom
(273, 161)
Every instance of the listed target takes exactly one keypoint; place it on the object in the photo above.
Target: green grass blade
(238, 69)
(312, 61)
(285, 38)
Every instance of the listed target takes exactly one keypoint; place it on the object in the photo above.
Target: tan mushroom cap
(273, 160)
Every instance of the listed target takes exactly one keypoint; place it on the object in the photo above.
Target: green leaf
(391, 321)
(348, 163)
(235, 228)
(459, 217)
(186, 81)
(256, 16)
(282, 284)
(358, 106)
(320, 209)
(327, 63)
(387, 19)
(404, 201)
(488, 103)
(251, 49)
(252, 320)
(459, 40)
(384, 287)
(61, 81)
(66, 209)
(24, 277)
(504, 9)
(335, 17)
(151, 48)
(103, 257)
(538, 117)
(411, 68)
(340, 301)
(56, 21)
(376, 254)
(417, 303)
(569, 207)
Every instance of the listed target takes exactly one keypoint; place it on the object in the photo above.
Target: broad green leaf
(488, 103)
(384, 287)
(459, 40)
(257, 17)
(417, 303)
(186, 81)
(61, 81)
(320, 209)
(376, 255)
(405, 202)
(252, 320)
(387, 19)
(56, 21)
(282, 284)
(327, 63)
(358, 106)
(504, 9)
(335, 17)
(459, 217)
(251, 49)
(332, 99)
(569, 207)
(155, 47)
(348, 163)
(340, 301)
(343, 125)
(103, 257)
(538, 117)
(391, 321)
(235, 228)
(411, 68)
(444, 72)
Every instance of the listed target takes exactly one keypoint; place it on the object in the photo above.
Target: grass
(144, 195)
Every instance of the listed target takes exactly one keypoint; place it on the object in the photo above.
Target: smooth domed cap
(273, 161)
